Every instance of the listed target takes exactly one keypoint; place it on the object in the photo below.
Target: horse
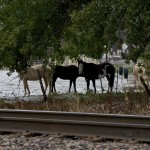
(66, 73)
(93, 71)
(32, 74)
(138, 71)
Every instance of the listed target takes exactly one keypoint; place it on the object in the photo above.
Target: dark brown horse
(93, 71)
(66, 73)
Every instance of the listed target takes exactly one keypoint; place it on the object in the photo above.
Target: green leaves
(108, 23)
(28, 28)
(89, 27)
(90, 30)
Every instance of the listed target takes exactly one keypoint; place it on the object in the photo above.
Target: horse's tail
(111, 80)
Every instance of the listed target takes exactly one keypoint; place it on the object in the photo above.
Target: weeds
(117, 103)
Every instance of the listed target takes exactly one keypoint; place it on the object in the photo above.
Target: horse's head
(80, 60)
(80, 66)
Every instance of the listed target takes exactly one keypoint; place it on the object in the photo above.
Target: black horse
(93, 71)
(67, 73)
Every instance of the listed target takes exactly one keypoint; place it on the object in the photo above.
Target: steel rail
(109, 128)
(118, 118)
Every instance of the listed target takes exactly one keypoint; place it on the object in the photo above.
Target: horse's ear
(139, 64)
(79, 60)
(143, 65)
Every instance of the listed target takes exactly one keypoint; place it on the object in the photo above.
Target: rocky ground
(46, 142)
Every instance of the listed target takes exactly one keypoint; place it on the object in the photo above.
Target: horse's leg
(53, 84)
(108, 79)
(111, 81)
(54, 87)
(93, 81)
(74, 83)
(46, 83)
(136, 80)
(109, 88)
(88, 83)
(101, 85)
(70, 85)
(24, 84)
(26, 87)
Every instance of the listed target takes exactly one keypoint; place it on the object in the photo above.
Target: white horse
(138, 71)
(31, 74)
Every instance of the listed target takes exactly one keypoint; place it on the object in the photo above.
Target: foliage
(29, 28)
(25, 30)
(101, 24)
(89, 31)
(146, 57)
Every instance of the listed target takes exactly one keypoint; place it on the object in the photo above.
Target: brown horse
(31, 74)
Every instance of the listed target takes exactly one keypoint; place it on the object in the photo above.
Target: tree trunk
(145, 86)
(42, 87)
(106, 56)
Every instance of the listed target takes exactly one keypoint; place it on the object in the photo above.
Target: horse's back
(37, 66)
(109, 67)
(66, 72)
(32, 72)
(91, 70)
(32, 75)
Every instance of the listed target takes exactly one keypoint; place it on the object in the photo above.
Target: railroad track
(78, 124)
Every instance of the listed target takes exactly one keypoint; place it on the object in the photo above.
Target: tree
(100, 23)
(28, 28)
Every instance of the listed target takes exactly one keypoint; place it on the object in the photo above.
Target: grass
(137, 103)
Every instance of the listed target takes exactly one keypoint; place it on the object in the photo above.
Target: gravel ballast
(46, 142)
